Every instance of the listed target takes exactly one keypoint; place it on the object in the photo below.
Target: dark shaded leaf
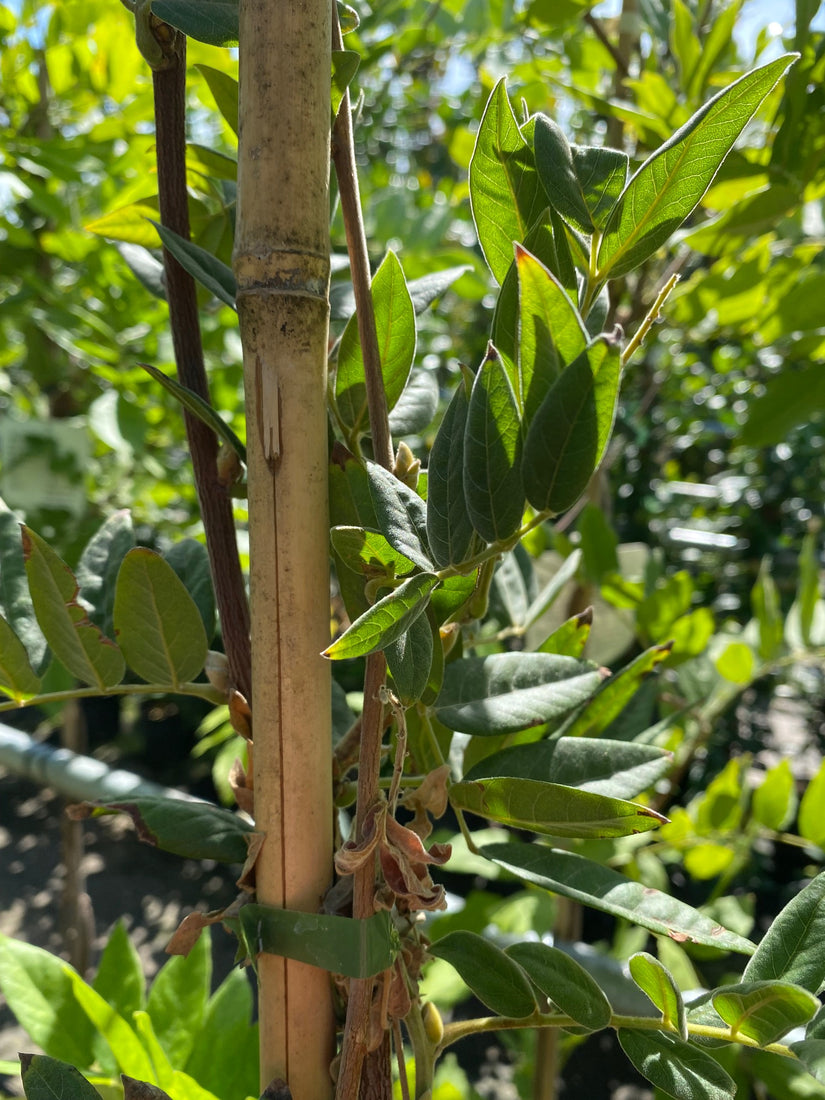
(791, 949)
(47, 1079)
(507, 692)
(492, 453)
(565, 982)
(570, 431)
(212, 21)
(578, 878)
(201, 265)
(74, 639)
(196, 830)
(616, 769)
(449, 527)
(677, 1068)
(401, 515)
(497, 981)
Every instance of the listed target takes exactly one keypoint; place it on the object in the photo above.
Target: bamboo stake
(282, 267)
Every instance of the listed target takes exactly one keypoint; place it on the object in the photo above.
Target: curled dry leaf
(141, 1090)
(254, 843)
(241, 788)
(404, 861)
(428, 798)
(240, 715)
(187, 934)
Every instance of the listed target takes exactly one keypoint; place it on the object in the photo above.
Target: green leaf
(199, 408)
(787, 401)
(792, 947)
(417, 405)
(224, 89)
(124, 1044)
(395, 329)
(506, 692)
(601, 888)
(195, 830)
(119, 979)
(602, 175)
(768, 612)
(17, 677)
(492, 453)
(15, 600)
(357, 948)
(571, 637)
(736, 663)
(401, 515)
(671, 182)
(201, 265)
(807, 594)
(546, 241)
(774, 800)
(811, 823)
(553, 589)
(449, 527)
(190, 561)
(97, 569)
(158, 623)
(614, 694)
(569, 433)
(45, 1078)
(551, 808)
(344, 67)
(551, 333)
(565, 982)
(764, 1011)
(75, 641)
(225, 1053)
(384, 621)
(505, 192)
(811, 1053)
(656, 981)
(369, 553)
(554, 163)
(497, 981)
(178, 997)
(615, 769)
(212, 21)
(428, 288)
(677, 1068)
(38, 991)
(410, 659)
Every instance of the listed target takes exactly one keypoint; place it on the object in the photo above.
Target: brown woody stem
(215, 502)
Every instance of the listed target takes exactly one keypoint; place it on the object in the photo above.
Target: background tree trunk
(282, 267)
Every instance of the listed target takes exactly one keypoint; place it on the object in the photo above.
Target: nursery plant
(340, 891)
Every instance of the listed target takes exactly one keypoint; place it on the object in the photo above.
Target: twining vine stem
(360, 1074)
(169, 81)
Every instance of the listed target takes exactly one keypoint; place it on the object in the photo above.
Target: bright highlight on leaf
(672, 181)
(384, 621)
(157, 622)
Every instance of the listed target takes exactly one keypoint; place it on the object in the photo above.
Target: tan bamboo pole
(282, 267)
